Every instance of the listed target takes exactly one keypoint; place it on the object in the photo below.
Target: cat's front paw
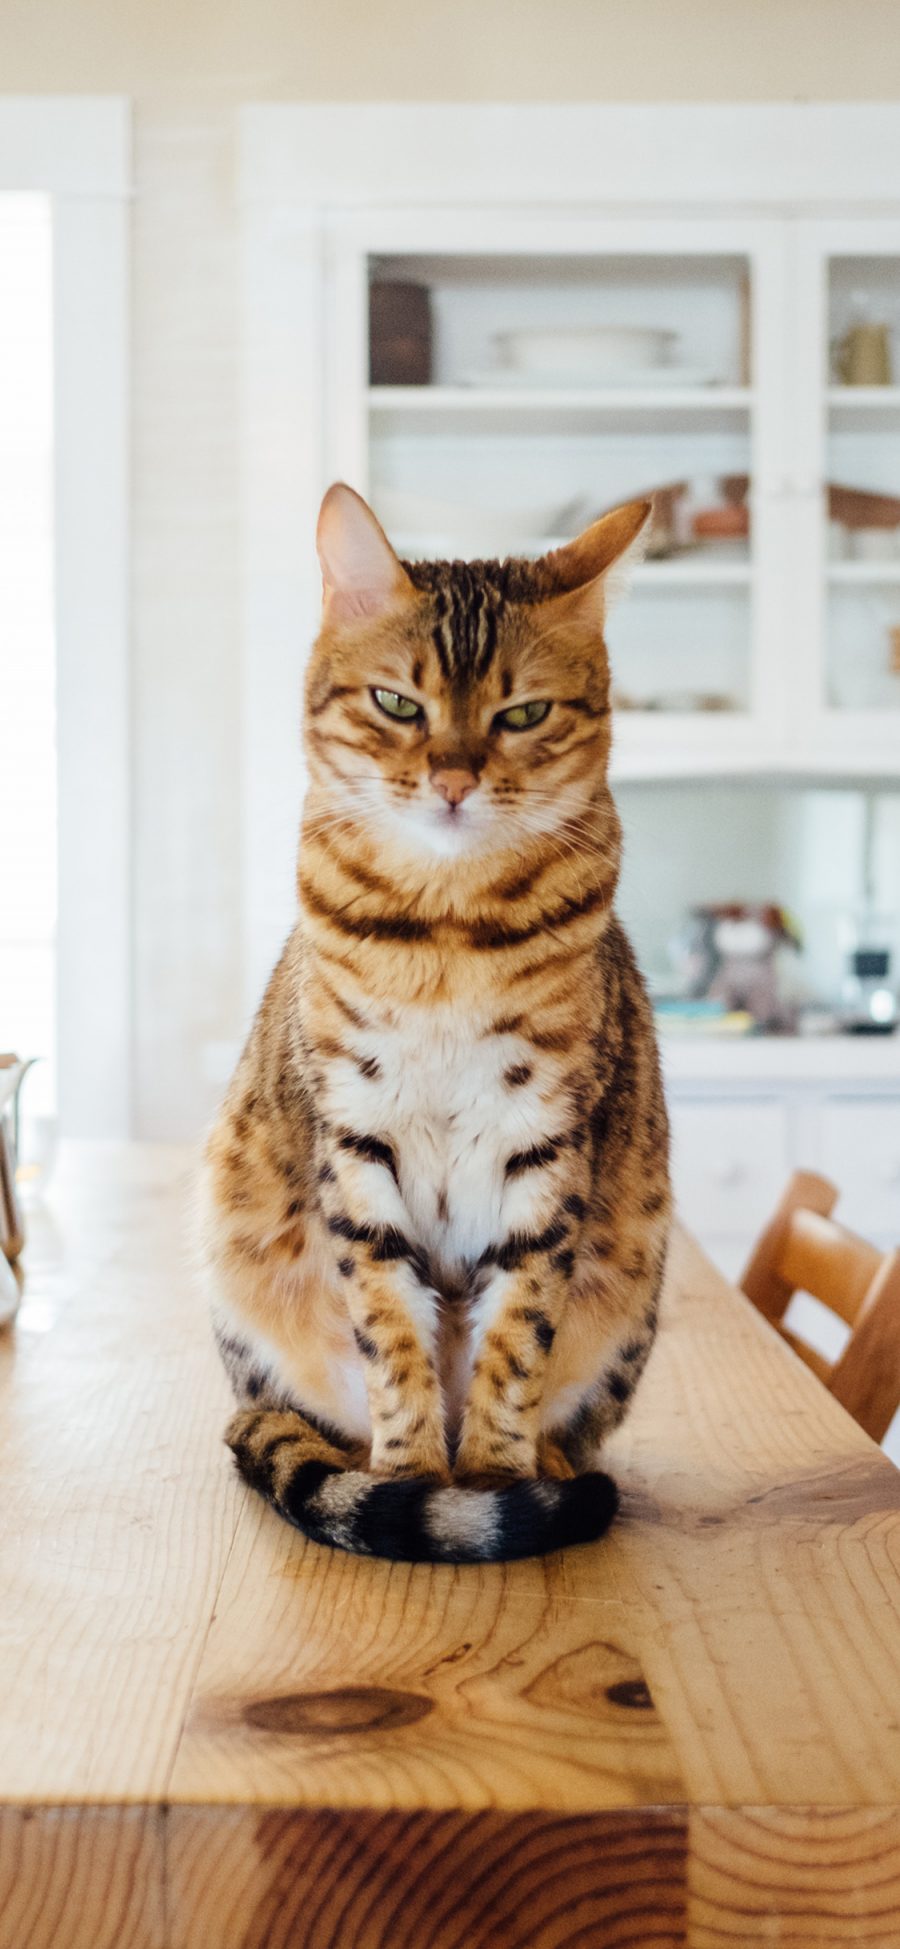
(494, 1455)
(426, 1459)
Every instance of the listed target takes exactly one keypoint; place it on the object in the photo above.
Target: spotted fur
(436, 1198)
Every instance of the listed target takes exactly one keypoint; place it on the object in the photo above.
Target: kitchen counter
(863, 1059)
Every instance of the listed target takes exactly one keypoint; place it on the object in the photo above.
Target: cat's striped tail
(306, 1478)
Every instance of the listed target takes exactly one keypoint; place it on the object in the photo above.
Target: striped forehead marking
(469, 599)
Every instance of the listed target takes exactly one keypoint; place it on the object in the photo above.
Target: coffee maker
(868, 994)
(869, 1000)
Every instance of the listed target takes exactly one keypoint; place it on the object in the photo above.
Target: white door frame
(77, 151)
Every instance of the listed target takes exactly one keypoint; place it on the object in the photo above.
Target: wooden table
(214, 1734)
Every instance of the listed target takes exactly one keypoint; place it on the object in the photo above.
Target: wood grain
(118, 1514)
(686, 1734)
(277, 1879)
(512, 1688)
(81, 1878)
(761, 1552)
(805, 1878)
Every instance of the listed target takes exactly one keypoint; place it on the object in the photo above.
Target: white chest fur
(441, 1100)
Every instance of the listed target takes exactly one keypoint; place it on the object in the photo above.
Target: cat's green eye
(393, 705)
(521, 717)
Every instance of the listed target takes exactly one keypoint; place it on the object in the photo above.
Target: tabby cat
(436, 1199)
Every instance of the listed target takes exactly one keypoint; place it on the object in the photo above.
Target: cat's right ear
(361, 576)
(592, 572)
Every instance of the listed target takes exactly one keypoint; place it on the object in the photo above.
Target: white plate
(584, 349)
(675, 378)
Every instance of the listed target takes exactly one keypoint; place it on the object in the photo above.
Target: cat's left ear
(361, 576)
(594, 570)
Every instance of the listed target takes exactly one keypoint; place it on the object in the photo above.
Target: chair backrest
(804, 1249)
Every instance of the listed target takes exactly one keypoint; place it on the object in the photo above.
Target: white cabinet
(765, 652)
(744, 1117)
(751, 234)
(860, 1150)
(730, 1161)
(846, 435)
(489, 459)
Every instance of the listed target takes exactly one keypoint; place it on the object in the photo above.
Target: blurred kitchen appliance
(869, 1001)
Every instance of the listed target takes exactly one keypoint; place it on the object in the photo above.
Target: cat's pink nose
(454, 786)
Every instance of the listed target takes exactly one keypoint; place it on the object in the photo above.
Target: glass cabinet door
(513, 381)
(852, 443)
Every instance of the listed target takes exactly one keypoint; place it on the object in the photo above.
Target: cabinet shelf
(863, 409)
(868, 398)
(436, 409)
(863, 574)
(501, 462)
(652, 745)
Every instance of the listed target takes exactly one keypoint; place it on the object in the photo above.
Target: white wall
(187, 972)
(192, 52)
(187, 64)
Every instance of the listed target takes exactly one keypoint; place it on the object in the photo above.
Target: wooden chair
(804, 1249)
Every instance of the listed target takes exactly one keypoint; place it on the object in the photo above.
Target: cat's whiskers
(564, 851)
(608, 859)
(572, 825)
(575, 837)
